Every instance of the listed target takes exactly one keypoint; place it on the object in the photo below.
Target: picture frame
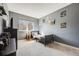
(63, 13)
(53, 22)
(63, 25)
(43, 20)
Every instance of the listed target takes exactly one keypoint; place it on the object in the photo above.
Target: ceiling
(36, 10)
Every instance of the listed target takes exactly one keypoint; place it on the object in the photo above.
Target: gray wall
(17, 17)
(69, 35)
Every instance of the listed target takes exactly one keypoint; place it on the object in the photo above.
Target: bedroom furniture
(10, 48)
(13, 33)
(47, 39)
(28, 36)
(5, 37)
(1, 45)
(35, 32)
(36, 35)
(31, 35)
(7, 44)
(11, 30)
(44, 39)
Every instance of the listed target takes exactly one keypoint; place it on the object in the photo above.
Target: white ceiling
(36, 10)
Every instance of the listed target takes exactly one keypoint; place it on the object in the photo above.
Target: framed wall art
(63, 13)
(63, 25)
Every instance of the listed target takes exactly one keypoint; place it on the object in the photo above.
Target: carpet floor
(33, 48)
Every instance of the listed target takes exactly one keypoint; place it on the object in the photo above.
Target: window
(26, 25)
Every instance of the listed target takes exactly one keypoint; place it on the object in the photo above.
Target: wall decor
(50, 20)
(63, 13)
(53, 22)
(63, 25)
(43, 20)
